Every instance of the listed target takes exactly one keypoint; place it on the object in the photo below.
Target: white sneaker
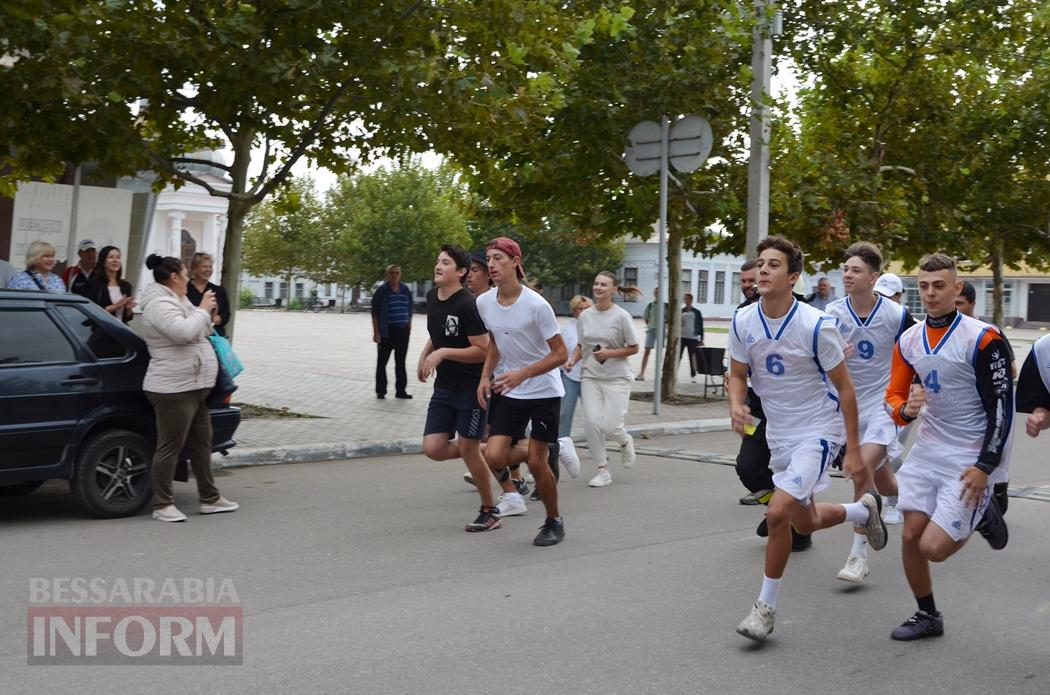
(602, 479)
(468, 478)
(627, 452)
(856, 569)
(218, 506)
(528, 478)
(169, 513)
(568, 457)
(758, 625)
(892, 516)
(511, 504)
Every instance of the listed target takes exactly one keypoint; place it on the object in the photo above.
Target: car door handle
(79, 381)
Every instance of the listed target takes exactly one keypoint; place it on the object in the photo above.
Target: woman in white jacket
(182, 371)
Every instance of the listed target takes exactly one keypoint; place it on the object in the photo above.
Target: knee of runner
(934, 551)
(778, 517)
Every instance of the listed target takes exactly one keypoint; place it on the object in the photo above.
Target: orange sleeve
(988, 336)
(901, 377)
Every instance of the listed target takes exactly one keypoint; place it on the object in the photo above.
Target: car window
(98, 340)
(31, 337)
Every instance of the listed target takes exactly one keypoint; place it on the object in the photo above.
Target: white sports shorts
(936, 493)
(801, 469)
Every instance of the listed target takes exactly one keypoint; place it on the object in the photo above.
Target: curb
(337, 451)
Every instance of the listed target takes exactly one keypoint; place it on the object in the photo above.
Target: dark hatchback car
(72, 407)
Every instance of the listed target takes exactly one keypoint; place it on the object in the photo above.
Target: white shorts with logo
(936, 493)
(877, 427)
(801, 469)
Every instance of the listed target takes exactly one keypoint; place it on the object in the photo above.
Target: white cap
(85, 245)
(888, 285)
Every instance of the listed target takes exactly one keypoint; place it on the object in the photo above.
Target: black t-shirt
(450, 324)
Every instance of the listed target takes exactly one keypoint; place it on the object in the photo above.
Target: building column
(219, 235)
(175, 233)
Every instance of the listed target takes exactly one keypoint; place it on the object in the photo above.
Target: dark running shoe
(551, 533)
(403, 396)
(535, 496)
(763, 529)
(488, 519)
(521, 486)
(1002, 496)
(800, 541)
(920, 625)
(993, 526)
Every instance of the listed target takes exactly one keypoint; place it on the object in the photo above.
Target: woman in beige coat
(182, 371)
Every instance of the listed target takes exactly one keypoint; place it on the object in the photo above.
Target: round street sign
(643, 148)
(690, 143)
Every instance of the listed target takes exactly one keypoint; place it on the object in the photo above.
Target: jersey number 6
(775, 364)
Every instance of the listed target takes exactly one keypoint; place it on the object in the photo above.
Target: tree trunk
(355, 295)
(997, 285)
(240, 205)
(669, 377)
(288, 284)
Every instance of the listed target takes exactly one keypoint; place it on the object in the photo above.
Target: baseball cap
(479, 257)
(86, 244)
(888, 285)
(511, 248)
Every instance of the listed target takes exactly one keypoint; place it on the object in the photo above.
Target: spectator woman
(107, 288)
(40, 260)
(201, 268)
(606, 339)
(570, 378)
(182, 371)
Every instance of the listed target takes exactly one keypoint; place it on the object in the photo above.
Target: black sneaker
(800, 541)
(920, 625)
(1001, 493)
(551, 533)
(521, 486)
(993, 526)
(403, 396)
(535, 496)
(488, 519)
(763, 529)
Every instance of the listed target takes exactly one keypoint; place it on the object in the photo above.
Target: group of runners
(819, 385)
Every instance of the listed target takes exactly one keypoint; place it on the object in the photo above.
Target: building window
(720, 287)
(989, 298)
(565, 292)
(911, 299)
(687, 281)
(188, 248)
(736, 287)
(284, 290)
(630, 277)
(701, 287)
(299, 290)
(268, 290)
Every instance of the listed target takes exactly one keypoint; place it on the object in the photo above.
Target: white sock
(860, 545)
(856, 513)
(770, 589)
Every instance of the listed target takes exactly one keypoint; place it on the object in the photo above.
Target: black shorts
(455, 411)
(509, 416)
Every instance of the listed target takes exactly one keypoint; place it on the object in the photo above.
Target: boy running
(520, 377)
(792, 350)
(870, 325)
(964, 382)
(456, 350)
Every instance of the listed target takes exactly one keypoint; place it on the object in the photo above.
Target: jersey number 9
(775, 364)
(865, 349)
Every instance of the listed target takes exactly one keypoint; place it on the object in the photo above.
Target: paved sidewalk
(324, 365)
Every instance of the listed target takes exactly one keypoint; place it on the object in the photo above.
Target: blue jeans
(568, 405)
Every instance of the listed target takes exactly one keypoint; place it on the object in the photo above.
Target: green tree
(135, 84)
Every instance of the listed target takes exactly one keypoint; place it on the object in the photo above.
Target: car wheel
(112, 474)
(19, 489)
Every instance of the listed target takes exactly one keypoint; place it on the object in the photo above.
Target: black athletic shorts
(509, 416)
(455, 411)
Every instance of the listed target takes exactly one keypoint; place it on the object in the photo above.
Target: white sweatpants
(605, 409)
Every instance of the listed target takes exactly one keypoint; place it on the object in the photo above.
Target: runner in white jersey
(870, 325)
(963, 369)
(792, 351)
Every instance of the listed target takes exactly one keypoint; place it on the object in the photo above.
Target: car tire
(19, 489)
(111, 477)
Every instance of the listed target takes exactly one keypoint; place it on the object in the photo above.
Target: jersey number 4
(930, 382)
(775, 364)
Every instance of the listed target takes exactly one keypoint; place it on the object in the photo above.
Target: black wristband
(903, 415)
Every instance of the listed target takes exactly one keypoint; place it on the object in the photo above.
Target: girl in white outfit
(606, 339)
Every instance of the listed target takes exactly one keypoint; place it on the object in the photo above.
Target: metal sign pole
(661, 267)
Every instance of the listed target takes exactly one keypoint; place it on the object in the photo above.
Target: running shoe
(762, 530)
(219, 506)
(521, 486)
(468, 478)
(800, 541)
(758, 625)
(993, 526)
(169, 513)
(488, 519)
(755, 498)
(528, 477)
(627, 456)
(551, 533)
(535, 496)
(511, 504)
(890, 514)
(855, 570)
(920, 625)
(602, 479)
(876, 527)
(568, 457)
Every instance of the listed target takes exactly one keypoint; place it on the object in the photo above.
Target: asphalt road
(356, 577)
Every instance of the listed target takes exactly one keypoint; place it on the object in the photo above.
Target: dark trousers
(396, 342)
(690, 345)
(752, 462)
(182, 419)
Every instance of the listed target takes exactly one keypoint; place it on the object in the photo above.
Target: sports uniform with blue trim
(873, 338)
(964, 367)
(788, 358)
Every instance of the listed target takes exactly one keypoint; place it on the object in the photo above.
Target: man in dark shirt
(455, 352)
(1033, 388)
(391, 327)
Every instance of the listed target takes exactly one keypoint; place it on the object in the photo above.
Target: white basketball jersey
(873, 340)
(788, 358)
(952, 428)
(1041, 352)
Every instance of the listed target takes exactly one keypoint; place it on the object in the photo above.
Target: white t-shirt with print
(612, 328)
(521, 332)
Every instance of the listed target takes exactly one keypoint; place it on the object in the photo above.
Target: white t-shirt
(521, 332)
(571, 337)
(612, 328)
